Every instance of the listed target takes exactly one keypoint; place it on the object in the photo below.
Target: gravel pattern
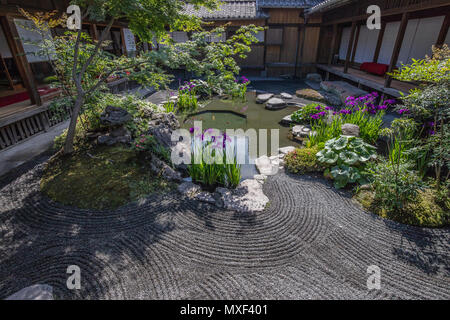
(312, 242)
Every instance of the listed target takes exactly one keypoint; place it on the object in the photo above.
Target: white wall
(344, 42)
(387, 46)
(4, 47)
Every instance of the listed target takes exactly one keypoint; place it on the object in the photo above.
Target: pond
(231, 114)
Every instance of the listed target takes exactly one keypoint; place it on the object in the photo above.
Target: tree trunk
(68, 147)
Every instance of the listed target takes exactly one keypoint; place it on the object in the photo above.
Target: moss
(425, 211)
(101, 178)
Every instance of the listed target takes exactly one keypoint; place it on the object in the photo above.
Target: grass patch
(425, 211)
(100, 178)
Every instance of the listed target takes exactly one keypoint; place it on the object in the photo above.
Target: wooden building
(24, 88)
(349, 50)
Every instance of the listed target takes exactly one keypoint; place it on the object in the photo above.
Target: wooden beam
(297, 46)
(18, 53)
(397, 47)
(379, 42)
(431, 4)
(333, 44)
(265, 45)
(444, 30)
(349, 47)
(358, 29)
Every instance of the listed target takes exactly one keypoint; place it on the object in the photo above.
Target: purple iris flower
(402, 111)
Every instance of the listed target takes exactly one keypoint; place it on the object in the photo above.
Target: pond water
(231, 114)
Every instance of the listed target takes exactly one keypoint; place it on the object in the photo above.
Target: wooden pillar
(265, 47)
(18, 53)
(355, 46)
(333, 44)
(379, 42)
(302, 46)
(397, 47)
(444, 31)
(296, 52)
(94, 31)
(349, 47)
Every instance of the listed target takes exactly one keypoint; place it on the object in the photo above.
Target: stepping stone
(275, 104)
(265, 166)
(342, 89)
(261, 98)
(310, 94)
(301, 131)
(34, 292)
(285, 95)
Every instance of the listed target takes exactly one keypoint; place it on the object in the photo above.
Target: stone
(106, 140)
(34, 292)
(120, 131)
(115, 116)
(261, 98)
(342, 89)
(260, 177)
(332, 99)
(349, 129)
(266, 166)
(159, 167)
(162, 126)
(285, 95)
(189, 189)
(314, 77)
(287, 120)
(310, 94)
(286, 150)
(275, 104)
(302, 131)
(247, 197)
(205, 197)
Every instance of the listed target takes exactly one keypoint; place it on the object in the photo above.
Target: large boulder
(314, 77)
(34, 292)
(275, 104)
(261, 98)
(247, 197)
(115, 116)
(349, 129)
(159, 167)
(342, 89)
(310, 94)
(162, 126)
(266, 166)
(189, 189)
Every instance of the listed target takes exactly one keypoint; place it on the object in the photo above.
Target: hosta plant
(345, 156)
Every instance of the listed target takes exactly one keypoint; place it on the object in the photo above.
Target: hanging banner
(128, 36)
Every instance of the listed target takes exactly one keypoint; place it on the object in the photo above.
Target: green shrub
(303, 115)
(347, 155)
(302, 161)
(423, 210)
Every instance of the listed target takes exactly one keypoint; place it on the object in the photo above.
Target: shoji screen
(387, 46)
(344, 43)
(367, 43)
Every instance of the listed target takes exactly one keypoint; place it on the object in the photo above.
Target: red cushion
(375, 68)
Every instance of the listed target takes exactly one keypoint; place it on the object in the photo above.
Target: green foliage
(347, 155)
(215, 61)
(369, 125)
(221, 170)
(148, 143)
(302, 161)
(303, 115)
(324, 131)
(187, 101)
(169, 106)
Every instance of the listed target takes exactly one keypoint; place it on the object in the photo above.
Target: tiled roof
(287, 3)
(229, 9)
